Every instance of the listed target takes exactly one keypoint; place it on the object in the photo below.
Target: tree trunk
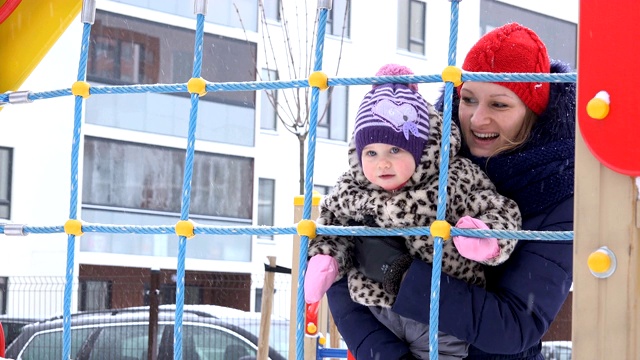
(302, 169)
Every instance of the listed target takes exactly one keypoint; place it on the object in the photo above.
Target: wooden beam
(605, 311)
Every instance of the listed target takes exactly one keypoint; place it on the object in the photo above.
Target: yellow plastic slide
(28, 30)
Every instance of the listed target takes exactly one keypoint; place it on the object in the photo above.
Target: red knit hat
(513, 48)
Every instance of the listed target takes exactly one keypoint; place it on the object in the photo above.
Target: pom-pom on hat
(513, 48)
(394, 114)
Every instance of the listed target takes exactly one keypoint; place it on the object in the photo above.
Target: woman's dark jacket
(524, 294)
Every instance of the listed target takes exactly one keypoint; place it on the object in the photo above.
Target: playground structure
(606, 268)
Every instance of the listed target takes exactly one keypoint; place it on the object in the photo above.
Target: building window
(268, 98)
(266, 201)
(129, 175)
(339, 19)
(258, 306)
(94, 295)
(259, 294)
(411, 26)
(3, 294)
(332, 113)
(322, 189)
(239, 14)
(6, 159)
(122, 56)
(271, 9)
(193, 294)
(127, 50)
(125, 183)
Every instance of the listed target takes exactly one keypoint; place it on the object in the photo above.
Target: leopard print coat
(470, 192)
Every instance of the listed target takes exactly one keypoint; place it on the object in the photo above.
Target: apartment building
(247, 162)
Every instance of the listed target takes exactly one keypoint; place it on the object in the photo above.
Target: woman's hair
(521, 137)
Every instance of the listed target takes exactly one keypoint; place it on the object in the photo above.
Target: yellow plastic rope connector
(319, 79)
(441, 228)
(598, 107)
(81, 88)
(197, 86)
(73, 227)
(307, 228)
(452, 74)
(185, 228)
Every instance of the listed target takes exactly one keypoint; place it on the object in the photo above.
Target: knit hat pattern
(513, 48)
(394, 114)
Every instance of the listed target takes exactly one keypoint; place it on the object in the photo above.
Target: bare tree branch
(297, 58)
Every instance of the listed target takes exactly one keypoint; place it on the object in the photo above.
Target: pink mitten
(322, 271)
(478, 249)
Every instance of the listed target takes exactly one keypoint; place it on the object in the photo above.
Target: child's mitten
(322, 271)
(478, 249)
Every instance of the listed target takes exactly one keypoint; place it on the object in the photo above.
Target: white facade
(40, 133)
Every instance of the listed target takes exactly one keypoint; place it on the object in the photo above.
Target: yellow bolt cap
(81, 88)
(441, 228)
(598, 108)
(452, 74)
(322, 340)
(599, 261)
(197, 86)
(185, 228)
(311, 328)
(319, 79)
(307, 228)
(602, 262)
(73, 227)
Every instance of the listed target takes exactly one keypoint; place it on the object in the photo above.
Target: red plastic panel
(609, 60)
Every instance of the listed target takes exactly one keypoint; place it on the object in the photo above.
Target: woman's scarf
(534, 178)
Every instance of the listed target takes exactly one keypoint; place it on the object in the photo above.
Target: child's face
(491, 116)
(387, 166)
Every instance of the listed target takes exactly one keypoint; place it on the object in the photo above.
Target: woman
(392, 175)
(522, 135)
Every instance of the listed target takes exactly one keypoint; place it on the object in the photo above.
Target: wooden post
(605, 311)
(267, 308)
(309, 343)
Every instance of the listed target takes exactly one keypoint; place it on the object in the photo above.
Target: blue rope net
(10, 229)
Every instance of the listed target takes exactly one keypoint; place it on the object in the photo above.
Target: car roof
(216, 315)
(244, 323)
(20, 318)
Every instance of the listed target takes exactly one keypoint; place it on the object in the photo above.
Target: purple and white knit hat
(394, 114)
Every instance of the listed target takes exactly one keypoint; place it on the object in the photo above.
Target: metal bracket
(325, 4)
(14, 230)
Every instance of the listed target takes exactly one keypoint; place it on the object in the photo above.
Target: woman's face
(490, 117)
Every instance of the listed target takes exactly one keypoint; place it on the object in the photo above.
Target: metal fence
(108, 294)
(129, 314)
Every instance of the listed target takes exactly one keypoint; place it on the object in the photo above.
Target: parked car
(556, 350)
(13, 324)
(208, 333)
